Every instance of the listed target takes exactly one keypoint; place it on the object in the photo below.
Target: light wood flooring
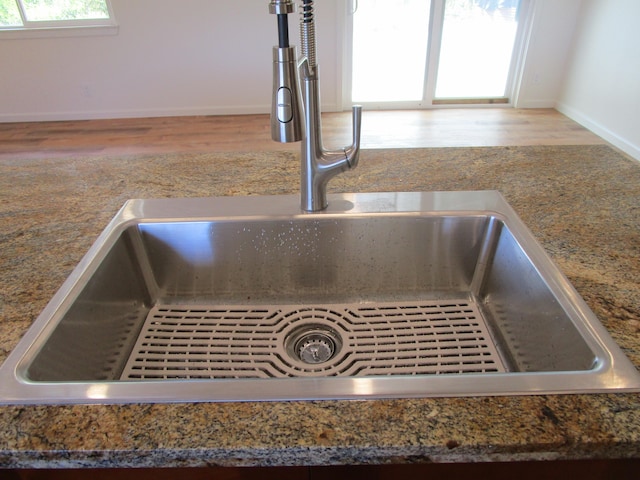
(380, 129)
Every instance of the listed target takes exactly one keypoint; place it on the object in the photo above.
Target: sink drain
(313, 344)
(315, 348)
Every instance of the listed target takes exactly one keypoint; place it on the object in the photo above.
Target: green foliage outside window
(9, 14)
(51, 10)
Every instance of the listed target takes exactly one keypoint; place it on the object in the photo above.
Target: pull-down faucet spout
(318, 165)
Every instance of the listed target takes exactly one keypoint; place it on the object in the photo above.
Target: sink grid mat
(239, 341)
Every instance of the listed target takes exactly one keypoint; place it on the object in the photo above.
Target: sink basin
(382, 295)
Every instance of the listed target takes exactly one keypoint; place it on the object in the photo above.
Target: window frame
(54, 28)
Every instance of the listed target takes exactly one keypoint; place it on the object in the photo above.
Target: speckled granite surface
(581, 202)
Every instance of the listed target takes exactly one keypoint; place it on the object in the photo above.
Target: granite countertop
(581, 202)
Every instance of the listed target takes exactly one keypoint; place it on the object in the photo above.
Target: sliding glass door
(390, 44)
(416, 53)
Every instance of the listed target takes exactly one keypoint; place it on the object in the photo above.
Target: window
(414, 53)
(476, 49)
(389, 50)
(22, 15)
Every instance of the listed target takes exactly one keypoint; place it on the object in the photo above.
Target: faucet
(293, 120)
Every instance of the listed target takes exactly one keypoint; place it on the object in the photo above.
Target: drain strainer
(315, 348)
(231, 341)
(313, 344)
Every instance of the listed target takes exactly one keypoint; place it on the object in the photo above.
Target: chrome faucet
(318, 165)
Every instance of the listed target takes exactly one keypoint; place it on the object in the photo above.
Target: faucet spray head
(286, 112)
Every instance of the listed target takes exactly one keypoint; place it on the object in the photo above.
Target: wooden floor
(380, 129)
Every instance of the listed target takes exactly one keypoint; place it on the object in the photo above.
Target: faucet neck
(318, 166)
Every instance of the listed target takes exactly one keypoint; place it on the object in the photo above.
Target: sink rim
(613, 370)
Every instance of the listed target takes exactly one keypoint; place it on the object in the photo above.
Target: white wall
(547, 43)
(602, 87)
(169, 58)
(193, 57)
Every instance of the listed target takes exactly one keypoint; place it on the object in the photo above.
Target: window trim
(61, 28)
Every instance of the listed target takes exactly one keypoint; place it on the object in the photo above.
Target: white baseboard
(536, 104)
(623, 144)
(143, 113)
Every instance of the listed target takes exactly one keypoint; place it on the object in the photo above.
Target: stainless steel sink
(246, 298)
